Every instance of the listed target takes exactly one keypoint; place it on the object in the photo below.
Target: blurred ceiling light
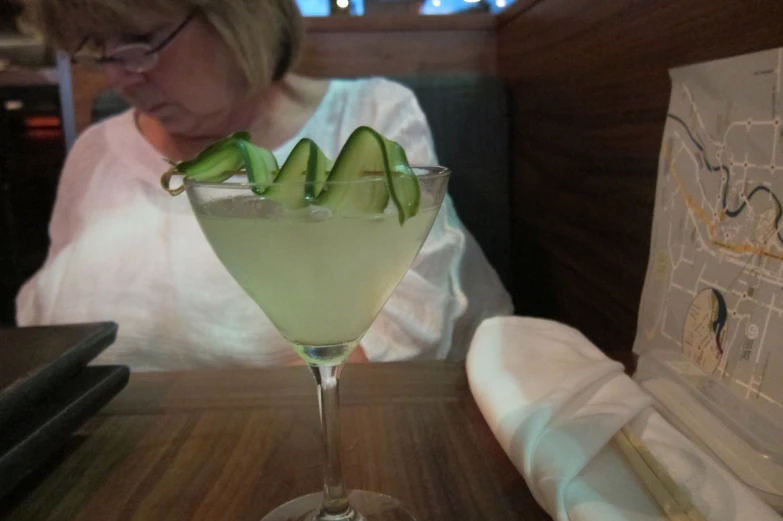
(342, 4)
(473, 1)
(501, 3)
(436, 3)
(13, 104)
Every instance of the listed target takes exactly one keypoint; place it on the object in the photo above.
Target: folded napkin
(554, 401)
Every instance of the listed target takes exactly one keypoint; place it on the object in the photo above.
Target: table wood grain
(233, 444)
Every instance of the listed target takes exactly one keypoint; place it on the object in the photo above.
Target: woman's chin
(172, 121)
(163, 112)
(177, 121)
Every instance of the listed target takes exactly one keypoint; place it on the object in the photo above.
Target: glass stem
(335, 503)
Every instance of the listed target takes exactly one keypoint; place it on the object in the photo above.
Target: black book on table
(48, 390)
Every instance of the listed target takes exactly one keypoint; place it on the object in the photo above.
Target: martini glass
(321, 275)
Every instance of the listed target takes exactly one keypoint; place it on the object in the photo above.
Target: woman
(122, 249)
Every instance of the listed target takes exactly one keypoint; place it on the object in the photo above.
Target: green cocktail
(320, 248)
(320, 277)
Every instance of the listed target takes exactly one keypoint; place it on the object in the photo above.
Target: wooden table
(233, 444)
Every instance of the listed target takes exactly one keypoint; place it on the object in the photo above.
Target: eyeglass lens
(133, 58)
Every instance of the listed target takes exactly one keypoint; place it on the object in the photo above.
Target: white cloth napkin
(554, 401)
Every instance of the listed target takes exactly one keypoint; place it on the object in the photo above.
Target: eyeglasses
(133, 57)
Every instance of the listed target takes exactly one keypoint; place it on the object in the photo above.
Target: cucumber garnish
(260, 165)
(216, 160)
(366, 154)
(306, 164)
(318, 166)
(216, 163)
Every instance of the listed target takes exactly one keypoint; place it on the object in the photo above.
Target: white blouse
(122, 249)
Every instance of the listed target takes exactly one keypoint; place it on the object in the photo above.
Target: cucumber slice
(306, 164)
(260, 165)
(216, 162)
(404, 188)
(318, 166)
(366, 153)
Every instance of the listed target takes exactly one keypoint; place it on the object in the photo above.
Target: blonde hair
(264, 36)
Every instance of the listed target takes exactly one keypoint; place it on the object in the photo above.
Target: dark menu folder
(47, 390)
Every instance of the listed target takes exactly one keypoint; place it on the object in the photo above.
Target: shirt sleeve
(419, 318)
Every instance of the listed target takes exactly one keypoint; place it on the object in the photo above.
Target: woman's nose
(120, 78)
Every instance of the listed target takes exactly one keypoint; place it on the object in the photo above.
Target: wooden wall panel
(398, 53)
(365, 46)
(86, 86)
(590, 88)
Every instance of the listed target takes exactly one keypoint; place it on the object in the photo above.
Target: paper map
(714, 285)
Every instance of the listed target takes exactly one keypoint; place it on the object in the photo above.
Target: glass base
(367, 506)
